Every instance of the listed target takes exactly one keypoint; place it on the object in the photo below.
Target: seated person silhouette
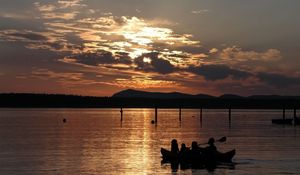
(174, 146)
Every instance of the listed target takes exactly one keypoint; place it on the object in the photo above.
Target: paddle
(222, 139)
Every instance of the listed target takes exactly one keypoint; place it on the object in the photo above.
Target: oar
(222, 139)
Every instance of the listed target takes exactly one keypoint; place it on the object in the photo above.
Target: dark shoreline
(72, 101)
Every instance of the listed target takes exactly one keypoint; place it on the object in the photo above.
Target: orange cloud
(237, 54)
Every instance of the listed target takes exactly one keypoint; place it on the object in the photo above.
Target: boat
(297, 121)
(218, 157)
(168, 155)
(282, 121)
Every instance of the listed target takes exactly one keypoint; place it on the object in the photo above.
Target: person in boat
(209, 154)
(195, 155)
(195, 148)
(195, 151)
(183, 148)
(183, 151)
(184, 156)
(211, 148)
(174, 146)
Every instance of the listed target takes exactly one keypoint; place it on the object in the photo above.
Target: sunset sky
(99, 47)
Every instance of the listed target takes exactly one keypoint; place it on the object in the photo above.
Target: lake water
(94, 141)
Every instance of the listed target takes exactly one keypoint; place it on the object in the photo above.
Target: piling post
(229, 115)
(283, 114)
(201, 115)
(295, 113)
(155, 115)
(180, 114)
(121, 112)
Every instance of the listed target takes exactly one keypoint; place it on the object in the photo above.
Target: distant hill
(130, 93)
(273, 97)
(140, 99)
(231, 96)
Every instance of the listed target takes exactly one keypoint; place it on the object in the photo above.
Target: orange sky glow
(78, 47)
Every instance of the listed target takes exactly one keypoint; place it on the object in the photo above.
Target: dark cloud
(155, 65)
(123, 58)
(183, 56)
(102, 57)
(141, 65)
(95, 59)
(57, 45)
(215, 72)
(162, 66)
(279, 80)
(29, 36)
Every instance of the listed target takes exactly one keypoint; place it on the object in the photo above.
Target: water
(94, 141)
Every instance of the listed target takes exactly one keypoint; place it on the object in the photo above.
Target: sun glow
(145, 82)
(147, 60)
(130, 34)
(136, 52)
(101, 41)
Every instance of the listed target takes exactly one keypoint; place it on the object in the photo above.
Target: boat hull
(215, 158)
(282, 121)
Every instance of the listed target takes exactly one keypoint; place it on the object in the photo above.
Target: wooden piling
(121, 112)
(229, 115)
(201, 116)
(295, 115)
(180, 114)
(155, 115)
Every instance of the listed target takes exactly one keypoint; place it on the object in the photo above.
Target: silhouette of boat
(297, 121)
(216, 158)
(282, 121)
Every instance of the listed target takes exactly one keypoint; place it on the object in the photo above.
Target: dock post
(121, 112)
(283, 114)
(180, 114)
(201, 115)
(155, 115)
(295, 113)
(229, 115)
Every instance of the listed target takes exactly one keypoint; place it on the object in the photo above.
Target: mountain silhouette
(231, 96)
(130, 93)
(140, 99)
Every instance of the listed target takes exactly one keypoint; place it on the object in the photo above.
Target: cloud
(213, 50)
(29, 36)
(45, 8)
(62, 9)
(70, 3)
(39, 40)
(150, 52)
(144, 82)
(237, 54)
(17, 16)
(200, 12)
(150, 62)
(25, 36)
(101, 58)
(131, 34)
(218, 72)
(279, 80)
(106, 39)
(47, 74)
